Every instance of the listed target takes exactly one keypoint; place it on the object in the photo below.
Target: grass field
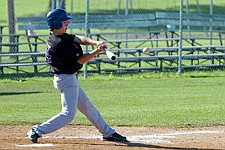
(151, 99)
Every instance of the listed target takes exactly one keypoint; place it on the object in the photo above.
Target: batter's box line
(138, 139)
(154, 138)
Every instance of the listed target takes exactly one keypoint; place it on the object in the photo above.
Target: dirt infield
(88, 138)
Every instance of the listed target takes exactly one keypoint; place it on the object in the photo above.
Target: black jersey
(62, 53)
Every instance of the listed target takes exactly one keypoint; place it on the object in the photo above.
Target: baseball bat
(110, 55)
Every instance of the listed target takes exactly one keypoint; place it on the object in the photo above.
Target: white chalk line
(196, 132)
(154, 138)
(35, 145)
(141, 139)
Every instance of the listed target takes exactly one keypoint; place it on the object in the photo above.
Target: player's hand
(101, 48)
(101, 45)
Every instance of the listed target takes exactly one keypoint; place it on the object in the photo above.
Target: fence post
(1, 29)
(86, 35)
(180, 38)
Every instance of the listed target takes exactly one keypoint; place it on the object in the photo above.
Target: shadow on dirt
(140, 145)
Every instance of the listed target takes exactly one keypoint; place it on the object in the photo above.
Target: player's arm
(85, 58)
(87, 41)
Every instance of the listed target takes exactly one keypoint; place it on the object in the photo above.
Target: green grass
(32, 7)
(151, 99)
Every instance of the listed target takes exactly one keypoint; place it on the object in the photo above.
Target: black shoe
(33, 136)
(115, 137)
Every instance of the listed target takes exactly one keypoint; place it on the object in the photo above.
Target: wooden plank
(191, 23)
(32, 19)
(96, 21)
(22, 64)
(22, 54)
(81, 18)
(150, 16)
(190, 19)
(33, 27)
(131, 24)
(191, 16)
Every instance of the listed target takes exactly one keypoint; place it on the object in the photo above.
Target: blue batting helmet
(55, 18)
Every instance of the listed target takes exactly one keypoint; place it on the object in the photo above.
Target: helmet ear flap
(57, 24)
(54, 23)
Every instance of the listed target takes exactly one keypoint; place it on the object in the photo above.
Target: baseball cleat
(33, 136)
(115, 137)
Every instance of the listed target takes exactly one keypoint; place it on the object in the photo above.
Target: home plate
(36, 145)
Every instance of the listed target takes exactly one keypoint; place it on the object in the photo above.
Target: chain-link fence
(183, 35)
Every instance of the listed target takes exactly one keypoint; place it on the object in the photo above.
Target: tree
(11, 24)
(56, 4)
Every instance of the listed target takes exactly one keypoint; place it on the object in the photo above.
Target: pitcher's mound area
(87, 137)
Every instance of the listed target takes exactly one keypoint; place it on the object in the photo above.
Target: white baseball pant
(72, 97)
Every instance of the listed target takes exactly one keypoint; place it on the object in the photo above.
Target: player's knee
(69, 115)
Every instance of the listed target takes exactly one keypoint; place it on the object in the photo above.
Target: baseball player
(65, 57)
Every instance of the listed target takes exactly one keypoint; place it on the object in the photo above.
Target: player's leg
(93, 115)
(68, 88)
